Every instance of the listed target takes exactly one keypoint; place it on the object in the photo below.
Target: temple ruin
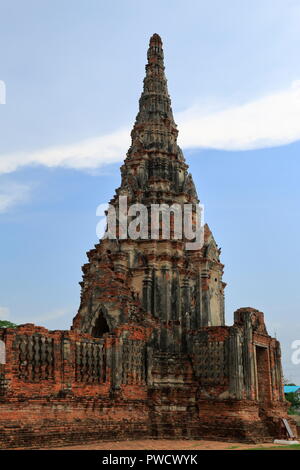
(148, 353)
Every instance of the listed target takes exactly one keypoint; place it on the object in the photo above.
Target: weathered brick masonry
(148, 354)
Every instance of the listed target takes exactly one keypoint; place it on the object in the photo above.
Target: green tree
(294, 399)
(7, 324)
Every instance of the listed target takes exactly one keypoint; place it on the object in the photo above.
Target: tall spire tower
(170, 285)
(154, 169)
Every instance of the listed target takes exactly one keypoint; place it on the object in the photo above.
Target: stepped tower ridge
(155, 169)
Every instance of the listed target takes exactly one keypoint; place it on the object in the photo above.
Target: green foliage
(294, 399)
(7, 324)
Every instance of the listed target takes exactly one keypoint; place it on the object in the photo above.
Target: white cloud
(265, 122)
(89, 153)
(269, 121)
(4, 313)
(12, 193)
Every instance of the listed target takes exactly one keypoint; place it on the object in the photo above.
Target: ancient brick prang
(148, 354)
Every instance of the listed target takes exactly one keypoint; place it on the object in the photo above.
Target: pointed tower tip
(155, 55)
(155, 38)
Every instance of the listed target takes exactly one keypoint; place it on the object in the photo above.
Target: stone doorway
(262, 374)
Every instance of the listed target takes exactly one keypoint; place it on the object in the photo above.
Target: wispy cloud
(4, 313)
(52, 315)
(270, 120)
(85, 154)
(12, 193)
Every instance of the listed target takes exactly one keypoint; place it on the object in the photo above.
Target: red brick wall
(62, 387)
(46, 422)
(43, 363)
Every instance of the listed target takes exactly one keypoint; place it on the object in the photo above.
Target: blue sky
(73, 72)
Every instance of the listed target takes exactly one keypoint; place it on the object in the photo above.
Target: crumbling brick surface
(64, 387)
(48, 421)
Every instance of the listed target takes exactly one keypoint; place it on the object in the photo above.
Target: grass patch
(288, 447)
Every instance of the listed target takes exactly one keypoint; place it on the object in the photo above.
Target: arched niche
(100, 326)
